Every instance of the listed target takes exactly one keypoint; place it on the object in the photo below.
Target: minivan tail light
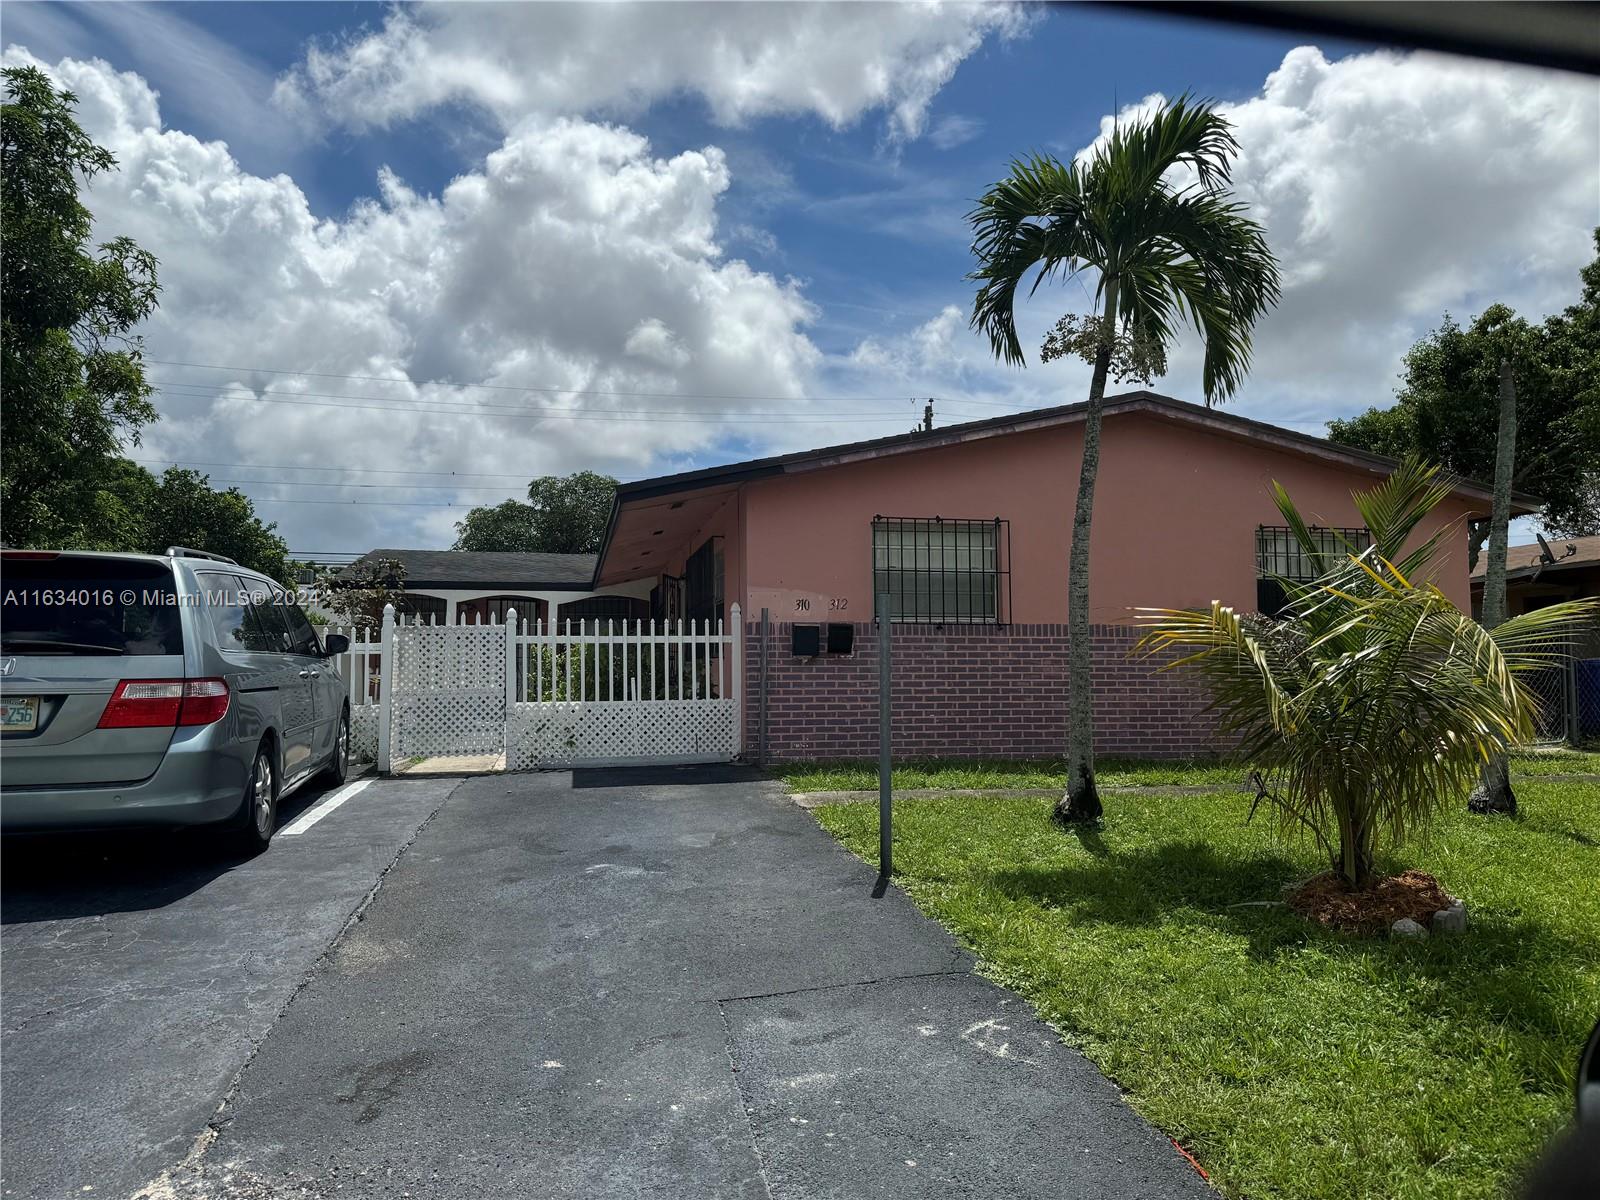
(204, 701)
(156, 703)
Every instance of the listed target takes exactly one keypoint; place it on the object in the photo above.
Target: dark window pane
(88, 606)
(229, 612)
(432, 610)
(605, 608)
(268, 630)
(302, 638)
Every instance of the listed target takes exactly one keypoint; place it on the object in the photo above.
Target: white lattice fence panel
(439, 658)
(440, 723)
(364, 732)
(450, 690)
(564, 733)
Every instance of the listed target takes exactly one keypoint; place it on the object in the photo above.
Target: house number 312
(836, 604)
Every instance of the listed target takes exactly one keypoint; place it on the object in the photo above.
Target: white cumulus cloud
(745, 60)
(573, 262)
(1393, 188)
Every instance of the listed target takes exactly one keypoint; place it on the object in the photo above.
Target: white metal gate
(592, 693)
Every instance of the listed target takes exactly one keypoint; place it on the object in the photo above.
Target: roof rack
(191, 552)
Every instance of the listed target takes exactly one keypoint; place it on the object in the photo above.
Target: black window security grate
(942, 571)
(1279, 553)
(1279, 556)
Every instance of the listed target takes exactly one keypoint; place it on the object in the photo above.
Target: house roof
(697, 492)
(1523, 561)
(1153, 403)
(474, 570)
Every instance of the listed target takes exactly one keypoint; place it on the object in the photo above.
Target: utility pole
(927, 415)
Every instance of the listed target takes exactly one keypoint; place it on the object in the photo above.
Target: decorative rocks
(1405, 927)
(1451, 920)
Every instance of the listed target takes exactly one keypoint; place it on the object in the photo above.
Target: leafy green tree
(1373, 702)
(1163, 253)
(74, 386)
(506, 526)
(564, 515)
(183, 509)
(1449, 400)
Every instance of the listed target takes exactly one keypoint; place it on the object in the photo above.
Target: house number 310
(836, 604)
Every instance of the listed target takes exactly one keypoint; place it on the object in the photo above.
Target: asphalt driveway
(139, 973)
(667, 983)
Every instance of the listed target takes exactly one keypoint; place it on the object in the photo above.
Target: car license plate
(19, 713)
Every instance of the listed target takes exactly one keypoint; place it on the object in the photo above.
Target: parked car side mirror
(335, 643)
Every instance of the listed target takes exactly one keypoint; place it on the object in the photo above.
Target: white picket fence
(587, 693)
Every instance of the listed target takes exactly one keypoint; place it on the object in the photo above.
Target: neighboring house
(1536, 576)
(470, 587)
(967, 528)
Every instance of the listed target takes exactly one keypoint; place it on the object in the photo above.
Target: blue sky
(791, 230)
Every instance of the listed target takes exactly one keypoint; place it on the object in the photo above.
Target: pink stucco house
(968, 528)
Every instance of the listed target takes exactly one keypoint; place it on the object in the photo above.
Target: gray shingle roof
(476, 569)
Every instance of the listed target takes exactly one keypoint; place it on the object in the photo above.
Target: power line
(507, 387)
(516, 412)
(422, 487)
(347, 470)
(376, 503)
(566, 391)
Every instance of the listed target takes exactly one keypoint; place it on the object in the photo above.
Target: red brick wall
(967, 691)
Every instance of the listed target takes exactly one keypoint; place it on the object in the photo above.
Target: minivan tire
(338, 768)
(258, 815)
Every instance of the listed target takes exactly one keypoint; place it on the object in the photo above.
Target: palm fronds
(1180, 253)
(1374, 701)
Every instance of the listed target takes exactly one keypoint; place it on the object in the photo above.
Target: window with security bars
(939, 571)
(1280, 556)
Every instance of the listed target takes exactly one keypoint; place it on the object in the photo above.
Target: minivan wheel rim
(263, 796)
(343, 749)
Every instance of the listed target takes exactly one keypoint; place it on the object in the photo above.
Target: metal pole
(885, 788)
(761, 730)
(1570, 682)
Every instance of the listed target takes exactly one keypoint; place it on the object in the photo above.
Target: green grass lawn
(1110, 772)
(1292, 1061)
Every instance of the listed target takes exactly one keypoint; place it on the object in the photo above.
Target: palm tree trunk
(1082, 799)
(1493, 793)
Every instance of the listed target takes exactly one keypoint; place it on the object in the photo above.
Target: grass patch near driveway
(1004, 773)
(1109, 772)
(1292, 1061)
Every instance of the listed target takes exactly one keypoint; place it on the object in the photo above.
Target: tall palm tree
(1148, 213)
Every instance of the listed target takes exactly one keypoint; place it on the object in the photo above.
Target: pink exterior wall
(1176, 511)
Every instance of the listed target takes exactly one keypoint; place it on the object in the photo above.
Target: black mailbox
(805, 641)
(841, 638)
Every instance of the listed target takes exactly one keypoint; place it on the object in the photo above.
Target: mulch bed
(1325, 899)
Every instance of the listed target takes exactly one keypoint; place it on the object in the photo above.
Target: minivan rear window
(87, 606)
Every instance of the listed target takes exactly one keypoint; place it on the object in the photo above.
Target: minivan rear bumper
(201, 780)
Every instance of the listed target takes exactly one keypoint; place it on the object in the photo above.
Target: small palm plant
(1372, 701)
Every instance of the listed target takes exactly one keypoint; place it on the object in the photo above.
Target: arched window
(603, 609)
(430, 610)
(486, 610)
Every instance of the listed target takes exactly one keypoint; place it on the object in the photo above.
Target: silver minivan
(159, 690)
